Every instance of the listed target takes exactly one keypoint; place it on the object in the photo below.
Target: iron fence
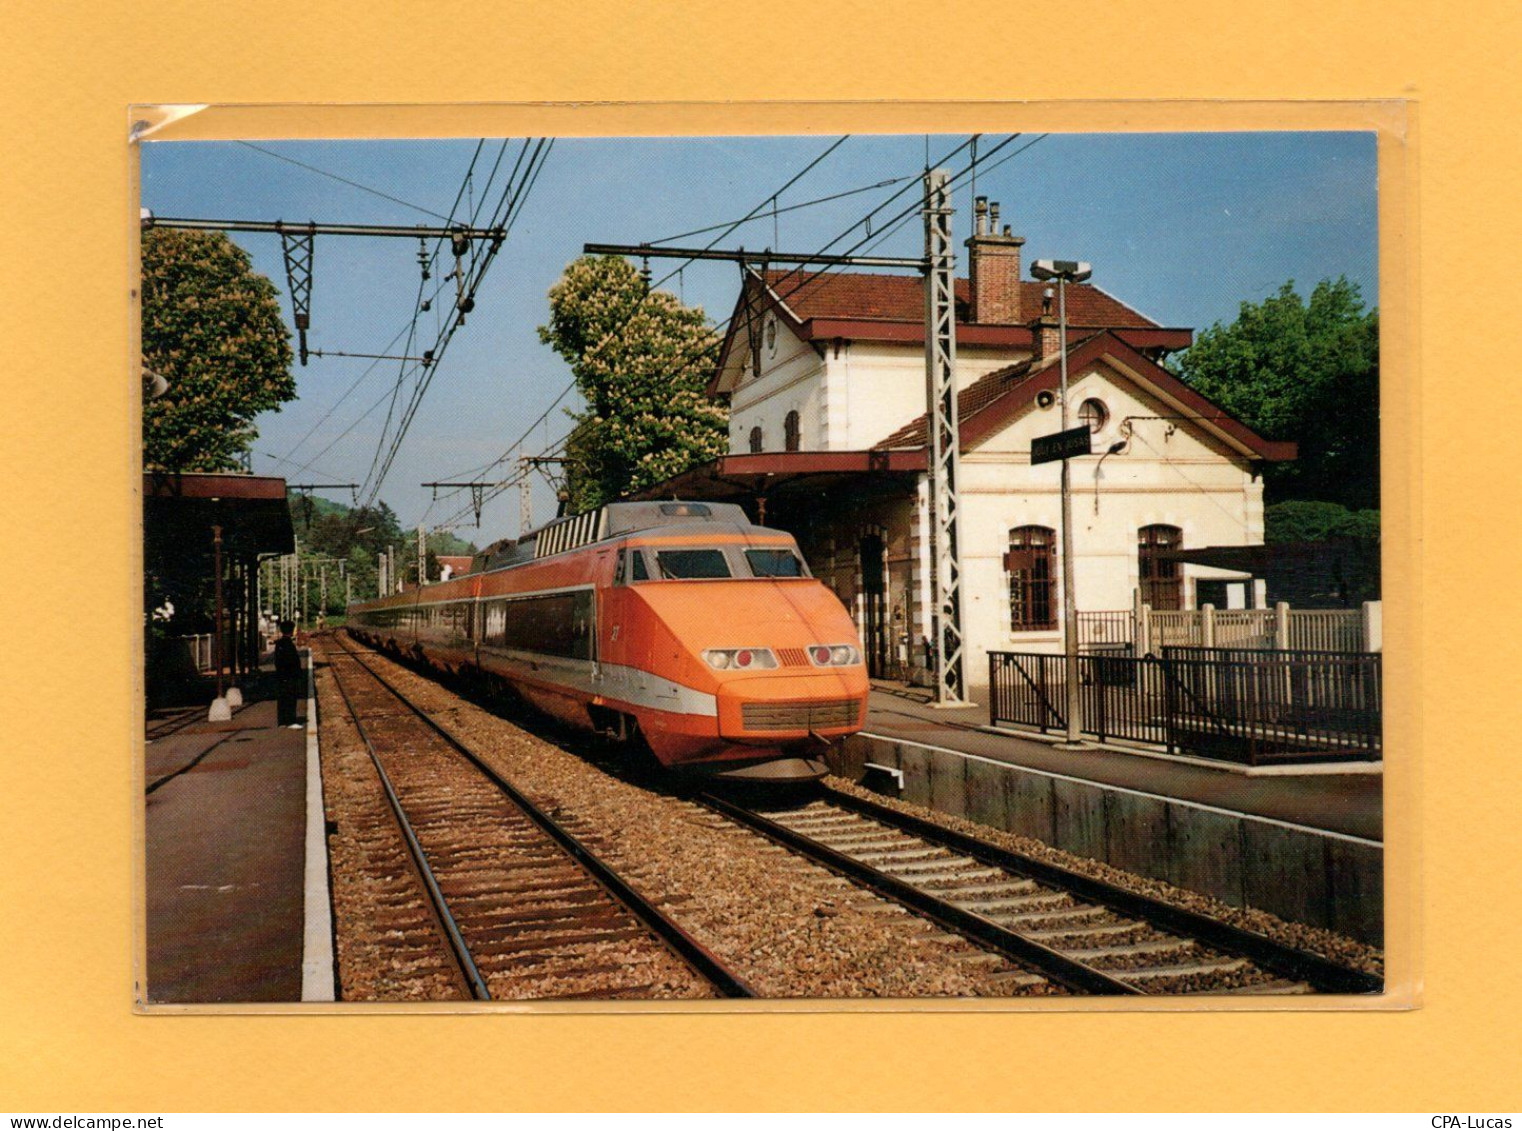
(1239, 705)
(1106, 629)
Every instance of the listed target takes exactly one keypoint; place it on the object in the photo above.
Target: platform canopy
(180, 510)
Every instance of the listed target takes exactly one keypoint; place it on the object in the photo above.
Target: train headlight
(744, 659)
(834, 655)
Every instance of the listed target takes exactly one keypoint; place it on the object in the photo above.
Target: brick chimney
(994, 267)
(1046, 332)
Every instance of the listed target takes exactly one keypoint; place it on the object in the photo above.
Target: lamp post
(1066, 271)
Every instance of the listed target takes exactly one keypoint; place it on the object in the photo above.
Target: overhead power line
(505, 215)
(298, 244)
(312, 227)
(818, 256)
(785, 286)
(342, 180)
(727, 229)
(731, 225)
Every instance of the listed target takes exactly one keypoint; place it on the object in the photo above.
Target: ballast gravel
(387, 947)
(788, 927)
(1316, 940)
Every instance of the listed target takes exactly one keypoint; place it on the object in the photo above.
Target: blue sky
(1183, 227)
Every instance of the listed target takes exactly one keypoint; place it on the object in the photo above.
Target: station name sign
(1062, 445)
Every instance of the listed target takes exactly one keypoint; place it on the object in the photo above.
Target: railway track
(521, 907)
(1084, 934)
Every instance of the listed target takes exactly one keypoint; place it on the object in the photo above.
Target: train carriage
(680, 623)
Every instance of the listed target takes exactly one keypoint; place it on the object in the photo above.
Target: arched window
(755, 440)
(1030, 564)
(790, 431)
(1161, 577)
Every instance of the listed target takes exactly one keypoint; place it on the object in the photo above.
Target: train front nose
(784, 708)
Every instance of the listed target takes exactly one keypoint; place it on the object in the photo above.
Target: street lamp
(1066, 271)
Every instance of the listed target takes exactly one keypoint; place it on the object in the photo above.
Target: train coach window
(692, 563)
(774, 563)
(638, 572)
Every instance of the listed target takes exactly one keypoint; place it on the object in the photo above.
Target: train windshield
(774, 563)
(692, 563)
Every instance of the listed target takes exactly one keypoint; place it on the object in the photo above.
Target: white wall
(875, 388)
(1185, 479)
(791, 379)
(1172, 472)
(853, 397)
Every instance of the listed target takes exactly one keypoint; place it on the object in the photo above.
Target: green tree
(1303, 520)
(212, 328)
(641, 361)
(1303, 371)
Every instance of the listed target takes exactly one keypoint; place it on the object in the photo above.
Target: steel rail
(687, 948)
(1324, 975)
(1067, 972)
(467, 963)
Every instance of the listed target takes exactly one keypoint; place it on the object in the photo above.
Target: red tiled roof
(976, 397)
(901, 298)
(458, 563)
(985, 405)
(823, 305)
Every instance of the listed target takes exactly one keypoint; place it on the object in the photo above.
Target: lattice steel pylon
(525, 498)
(945, 441)
(298, 245)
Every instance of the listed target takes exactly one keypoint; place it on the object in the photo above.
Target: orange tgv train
(678, 623)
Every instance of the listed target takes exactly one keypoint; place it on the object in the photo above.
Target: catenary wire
(895, 221)
(342, 180)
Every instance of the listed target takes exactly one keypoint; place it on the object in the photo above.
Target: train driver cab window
(630, 567)
(680, 564)
(774, 563)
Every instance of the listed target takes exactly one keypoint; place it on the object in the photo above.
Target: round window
(771, 333)
(1094, 414)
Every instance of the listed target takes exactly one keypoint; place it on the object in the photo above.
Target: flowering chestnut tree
(641, 361)
(212, 328)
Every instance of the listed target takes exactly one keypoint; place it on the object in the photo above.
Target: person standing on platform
(287, 675)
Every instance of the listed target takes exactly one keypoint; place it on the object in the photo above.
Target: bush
(1301, 520)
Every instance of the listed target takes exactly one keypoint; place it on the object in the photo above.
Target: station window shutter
(1030, 565)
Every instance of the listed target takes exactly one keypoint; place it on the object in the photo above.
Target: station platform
(226, 826)
(1307, 847)
(1349, 803)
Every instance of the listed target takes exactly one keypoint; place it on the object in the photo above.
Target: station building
(825, 377)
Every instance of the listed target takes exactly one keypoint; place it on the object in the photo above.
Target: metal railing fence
(1239, 705)
(1106, 628)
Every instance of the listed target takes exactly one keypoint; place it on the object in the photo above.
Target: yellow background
(70, 604)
